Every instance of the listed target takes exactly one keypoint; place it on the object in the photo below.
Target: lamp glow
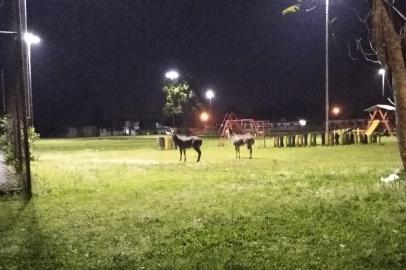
(336, 111)
(172, 75)
(209, 94)
(30, 38)
(204, 117)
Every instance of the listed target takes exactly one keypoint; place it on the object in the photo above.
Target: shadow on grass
(37, 251)
(25, 245)
(7, 222)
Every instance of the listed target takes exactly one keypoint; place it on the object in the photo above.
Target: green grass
(123, 204)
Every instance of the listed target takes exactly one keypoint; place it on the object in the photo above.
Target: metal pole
(29, 87)
(3, 92)
(383, 84)
(21, 23)
(327, 67)
(210, 105)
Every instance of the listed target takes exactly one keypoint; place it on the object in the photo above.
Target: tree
(389, 46)
(179, 99)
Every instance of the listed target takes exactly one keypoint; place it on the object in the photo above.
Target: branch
(395, 9)
(359, 46)
(349, 52)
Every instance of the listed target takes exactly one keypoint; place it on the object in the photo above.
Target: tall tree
(180, 99)
(388, 44)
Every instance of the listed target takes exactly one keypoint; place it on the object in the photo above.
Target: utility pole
(3, 92)
(327, 69)
(19, 24)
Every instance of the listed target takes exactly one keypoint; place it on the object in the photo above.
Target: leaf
(291, 9)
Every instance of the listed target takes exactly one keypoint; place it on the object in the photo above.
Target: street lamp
(29, 39)
(204, 117)
(382, 72)
(210, 96)
(302, 122)
(336, 111)
(172, 75)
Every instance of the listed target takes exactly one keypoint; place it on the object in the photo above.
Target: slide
(372, 127)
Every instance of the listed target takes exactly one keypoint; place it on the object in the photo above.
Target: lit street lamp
(210, 96)
(172, 75)
(382, 72)
(29, 39)
(336, 111)
(204, 117)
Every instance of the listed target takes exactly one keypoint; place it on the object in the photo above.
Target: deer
(184, 142)
(240, 139)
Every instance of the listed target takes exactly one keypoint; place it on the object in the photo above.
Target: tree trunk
(389, 48)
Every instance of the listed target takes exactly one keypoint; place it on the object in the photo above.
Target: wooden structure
(243, 126)
(379, 113)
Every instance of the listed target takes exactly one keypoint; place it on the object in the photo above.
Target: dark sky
(107, 58)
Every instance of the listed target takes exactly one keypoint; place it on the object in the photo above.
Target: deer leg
(184, 154)
(236, 151)
(180, 149)
(250, 148)
(198, 152)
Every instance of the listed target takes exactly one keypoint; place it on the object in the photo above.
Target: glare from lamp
(336, 111)
(209, 94)
(204, 117)
(172, 75)
(30, 38)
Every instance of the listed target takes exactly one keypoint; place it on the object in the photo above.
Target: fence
(15, 81)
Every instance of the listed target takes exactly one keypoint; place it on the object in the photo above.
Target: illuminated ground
(123, 204)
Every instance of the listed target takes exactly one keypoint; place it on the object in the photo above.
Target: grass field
(123, 204)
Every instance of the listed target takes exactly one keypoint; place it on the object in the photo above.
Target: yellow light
(204, 116)
(336, 110)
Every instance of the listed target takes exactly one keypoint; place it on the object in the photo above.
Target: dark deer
(184, 142)
(239, 140)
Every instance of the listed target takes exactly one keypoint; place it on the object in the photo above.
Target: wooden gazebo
(379, 115)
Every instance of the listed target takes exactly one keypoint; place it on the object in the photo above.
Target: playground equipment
(378, 115)
(371, 127)
(243, 126)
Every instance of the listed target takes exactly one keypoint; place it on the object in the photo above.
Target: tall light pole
(172, 75)
(327, 67)
(30, 39)
(382, 72)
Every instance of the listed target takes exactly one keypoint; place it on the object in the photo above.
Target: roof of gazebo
(380, 106)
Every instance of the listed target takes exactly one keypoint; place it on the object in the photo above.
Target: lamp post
(172, 75)
(382, 72)
(30, 39)
(327, 68)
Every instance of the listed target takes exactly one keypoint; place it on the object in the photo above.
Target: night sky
(103, 60)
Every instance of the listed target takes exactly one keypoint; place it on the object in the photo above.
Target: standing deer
(239, 140)
(184, 142)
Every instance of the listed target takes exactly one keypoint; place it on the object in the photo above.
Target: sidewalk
(8, 181)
